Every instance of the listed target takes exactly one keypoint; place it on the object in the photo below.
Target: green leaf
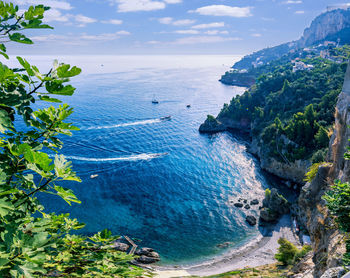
(64, 72)
(67, 195)
(5, 121)
(18, 37)
(49, 99)
(5, 207)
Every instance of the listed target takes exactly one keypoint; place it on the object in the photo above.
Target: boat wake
(143, 156)
(144, 122)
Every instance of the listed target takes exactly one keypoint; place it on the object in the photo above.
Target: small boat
(93, 176)
(166, 118)
(188, 105)
(154, 101)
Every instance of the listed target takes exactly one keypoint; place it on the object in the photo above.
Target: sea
(159, 181)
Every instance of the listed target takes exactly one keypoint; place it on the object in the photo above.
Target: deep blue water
(159, 181)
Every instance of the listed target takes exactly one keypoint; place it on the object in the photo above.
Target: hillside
(288, 114)
(326, 31)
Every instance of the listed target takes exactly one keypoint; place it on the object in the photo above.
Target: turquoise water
(159, 181)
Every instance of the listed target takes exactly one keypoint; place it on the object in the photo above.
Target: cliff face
(325, 25)
(327, 242)
(293, 171)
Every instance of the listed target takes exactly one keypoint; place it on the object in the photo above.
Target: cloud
(292, 2)
(80, 39)
(223, 10)
(84, 19)
(55, 15)
(215, 32)
(112, 21)
(299, 12)
(256, 35)
(139, 5)
(172, 1)
(63, 5)
(142, 5)
(209, 25)
(203, 39)
(187, 32)
(181, 22)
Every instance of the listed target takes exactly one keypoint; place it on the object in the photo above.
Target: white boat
(166, 118)
(93, 176)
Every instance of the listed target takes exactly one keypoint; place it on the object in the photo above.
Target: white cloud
(209, 25)
(112, 21)
(172, 1)
(223, 10)
(187, 32)
(300, 12)
(84, 19)
(123, 33)
(138, 5)
(203, 39)
(165, 20)
(292, 2)
(256, 35)
(54, 4)
(80, 39)
(180, 22)
(55, 15)
(183, 22)
(215, 32)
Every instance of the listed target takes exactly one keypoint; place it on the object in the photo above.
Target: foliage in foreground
(32, 242)
(288, 253)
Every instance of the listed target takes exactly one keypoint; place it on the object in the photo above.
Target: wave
(143, 156)
(144, 122)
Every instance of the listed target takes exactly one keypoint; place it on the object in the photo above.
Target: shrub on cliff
(34, 243)
(289, 254)
(286, 251)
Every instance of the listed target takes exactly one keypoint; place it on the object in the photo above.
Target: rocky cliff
(327, 241)
(325, 25)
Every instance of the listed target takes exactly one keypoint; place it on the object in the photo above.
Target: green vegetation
(289, 254)
(265, 271)
(292, 112)
(32, 242)
(338, 203)
(311, 174)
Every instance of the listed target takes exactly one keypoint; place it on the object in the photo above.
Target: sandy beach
(259, 252)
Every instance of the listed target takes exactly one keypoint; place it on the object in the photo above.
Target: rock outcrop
(211, 125)
(327, 241)
(274, 205)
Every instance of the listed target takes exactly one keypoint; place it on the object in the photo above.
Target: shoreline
(259, 252)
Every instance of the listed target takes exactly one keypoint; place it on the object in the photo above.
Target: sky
(129, 27)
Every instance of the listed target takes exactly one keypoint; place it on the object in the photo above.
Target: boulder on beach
(147, 256)
(120, 246)
(238, 205)
(251, 220)
(247, 206)
(147, 260)
(254, 202)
